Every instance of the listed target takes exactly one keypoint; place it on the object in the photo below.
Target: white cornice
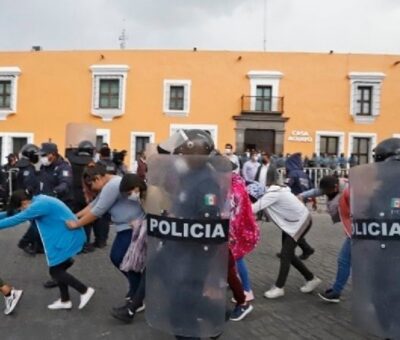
(371, 76)
(264, 75)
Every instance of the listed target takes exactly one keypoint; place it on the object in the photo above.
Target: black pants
(302, 243)
(32, 237)
(59, 273)
(288, 258)
(101, 228)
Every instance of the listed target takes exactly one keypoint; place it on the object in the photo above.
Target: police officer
(27, 179)
(55, 179)
(375, 207)
(79, 158)
(10, 173)
(106, 161)
(193, 194)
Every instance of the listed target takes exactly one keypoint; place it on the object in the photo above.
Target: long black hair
(15, 201)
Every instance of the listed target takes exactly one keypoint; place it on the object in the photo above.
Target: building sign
(300, 136)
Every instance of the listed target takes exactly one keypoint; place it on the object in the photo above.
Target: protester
(60, 244)
(11, 297)
(292, 217)
(123, 210)
(250, 167)
(232, 157)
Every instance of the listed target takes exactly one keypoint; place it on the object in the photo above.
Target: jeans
(243, 274)
(64, 279)
(344, 266)
(118, 251)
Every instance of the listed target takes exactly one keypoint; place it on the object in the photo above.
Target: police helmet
(30, 151)
(86, 148)
(387, 148)
(188, 142)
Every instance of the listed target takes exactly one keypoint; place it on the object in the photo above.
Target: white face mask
(134, 196)
(228, 151)
(248, 154)
(45, 161)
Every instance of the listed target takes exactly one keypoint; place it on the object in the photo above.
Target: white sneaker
(274, 293)
(12, 300)
(85, 298)
(56, 305)
(310, 285)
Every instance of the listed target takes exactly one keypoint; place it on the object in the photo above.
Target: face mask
(45, 161)
(228, 151)
(264, 161)
(134, 196)
(254, 158)
(248, 154)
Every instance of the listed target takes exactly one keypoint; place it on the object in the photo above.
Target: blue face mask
(134, 196)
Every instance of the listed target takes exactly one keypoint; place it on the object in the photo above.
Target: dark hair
(16, 199)
(131, 181)
(105, 151)
(228, 146)
(328, 183)
(93, 170)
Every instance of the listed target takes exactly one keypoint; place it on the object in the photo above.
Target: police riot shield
(78, 132)
(375, 208)
(187, 255)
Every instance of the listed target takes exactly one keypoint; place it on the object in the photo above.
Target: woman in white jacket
(293, 217)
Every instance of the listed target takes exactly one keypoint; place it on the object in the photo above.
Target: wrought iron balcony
(262, 105)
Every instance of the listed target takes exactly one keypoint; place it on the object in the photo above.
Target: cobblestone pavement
(295, 316)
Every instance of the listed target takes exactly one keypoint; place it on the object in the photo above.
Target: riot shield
(78, 132)
(375, 208)
(187, 255)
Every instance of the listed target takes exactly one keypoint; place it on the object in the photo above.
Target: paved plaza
(295, 316)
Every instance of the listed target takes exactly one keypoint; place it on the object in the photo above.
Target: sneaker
(57, 305)
(123, 314)
(85, 298)
(310, 285)
(240, 312)
(274, 293)
(12, 301)
(330, 296)
(141, 308)
(307, 254)
(50, 284)
(249, 296)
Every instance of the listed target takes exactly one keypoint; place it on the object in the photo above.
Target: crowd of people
(64, 200)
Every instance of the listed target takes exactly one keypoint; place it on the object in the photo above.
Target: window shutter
(186, 98)
(167, 93)
(376, 99)
(96, 92)
(120, 96)
(356, 97)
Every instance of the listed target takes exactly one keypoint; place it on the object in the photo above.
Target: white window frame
(10, 73)
(373, 79)
(373, 137)
(396, 135)
(100, 72)
(264, 78)
(187, 84)
(7, 146)
(105, 133)
(319, 134)
(213, 128)
(134, 134)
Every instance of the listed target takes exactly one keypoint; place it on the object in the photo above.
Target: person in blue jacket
(60, 243)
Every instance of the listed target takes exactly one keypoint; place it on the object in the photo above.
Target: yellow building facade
(278, 102)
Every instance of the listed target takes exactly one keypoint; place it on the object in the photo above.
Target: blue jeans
(118, 251)
(344, 266)
(243, 274)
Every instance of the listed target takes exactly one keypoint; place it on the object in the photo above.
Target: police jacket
(110, 166)
(56, 180)
(27, 176)
(296, 178)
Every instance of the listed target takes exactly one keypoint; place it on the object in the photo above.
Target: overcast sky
(366, 26)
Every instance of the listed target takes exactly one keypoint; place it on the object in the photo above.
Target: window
(102, 136)
(8, 90)
(364, 100)
(361, 149)
(109, 94)
(18, 143)
(12, 142)
(139, 140)
(329, 145)
(361, 145)
(177, 97)
(264, 85)
(365, 95)
(263, 98)
(108, 90)
(5, 94)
